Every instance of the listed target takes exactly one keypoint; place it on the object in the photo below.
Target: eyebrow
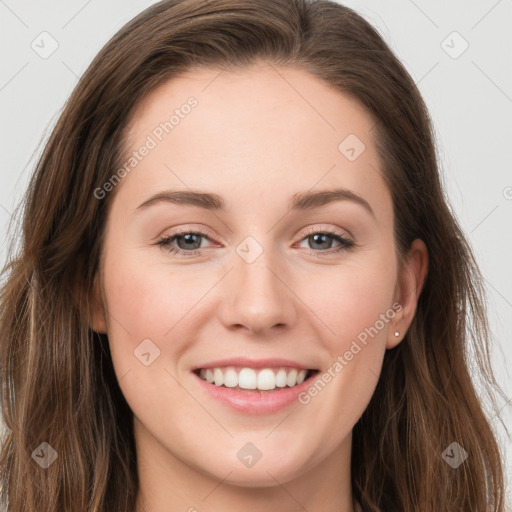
(300, 201)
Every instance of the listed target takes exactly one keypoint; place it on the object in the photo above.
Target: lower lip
(253, 402)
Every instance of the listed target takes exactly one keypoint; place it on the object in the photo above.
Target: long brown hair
(58, 382)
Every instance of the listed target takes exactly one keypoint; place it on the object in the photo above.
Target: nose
(257, 297)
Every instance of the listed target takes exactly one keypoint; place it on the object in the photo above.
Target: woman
(172, 336)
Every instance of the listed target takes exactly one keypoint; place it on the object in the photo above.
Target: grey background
(469, 95)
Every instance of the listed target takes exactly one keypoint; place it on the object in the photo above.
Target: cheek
(149, 299)
(168, 304)
(350, 298)
(356, 305)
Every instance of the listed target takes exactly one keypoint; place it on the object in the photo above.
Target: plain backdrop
(459, 53)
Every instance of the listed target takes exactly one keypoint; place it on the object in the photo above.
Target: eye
(189, 242)
(323, 240)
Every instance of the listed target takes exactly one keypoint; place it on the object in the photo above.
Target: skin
(256, 137)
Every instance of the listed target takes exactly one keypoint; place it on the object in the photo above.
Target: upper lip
(253, 363)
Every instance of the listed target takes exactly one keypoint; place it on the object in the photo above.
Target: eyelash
(346, 243)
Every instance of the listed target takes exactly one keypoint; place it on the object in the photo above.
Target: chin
(278, 467)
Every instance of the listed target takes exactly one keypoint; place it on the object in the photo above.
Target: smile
(261, 379)
(255, 390)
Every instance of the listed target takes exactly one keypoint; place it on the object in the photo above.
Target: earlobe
(395, 334)
(409, 286)
(97, 319)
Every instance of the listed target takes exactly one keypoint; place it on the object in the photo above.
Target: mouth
(256, 380)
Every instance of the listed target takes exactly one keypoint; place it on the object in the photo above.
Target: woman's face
(262, 283)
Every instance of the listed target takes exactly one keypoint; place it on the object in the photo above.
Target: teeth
(248, 378)
(266, 379)
(218, 377)
(292, 378)
(301, 376)
(281, 378)
(230, 378)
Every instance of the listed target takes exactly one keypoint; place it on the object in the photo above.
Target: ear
(98, 319)
(409, 285)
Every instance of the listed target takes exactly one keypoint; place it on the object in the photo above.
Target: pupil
(188, 238)
(322, 236)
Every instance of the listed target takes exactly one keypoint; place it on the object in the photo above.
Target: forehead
(262, 131)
